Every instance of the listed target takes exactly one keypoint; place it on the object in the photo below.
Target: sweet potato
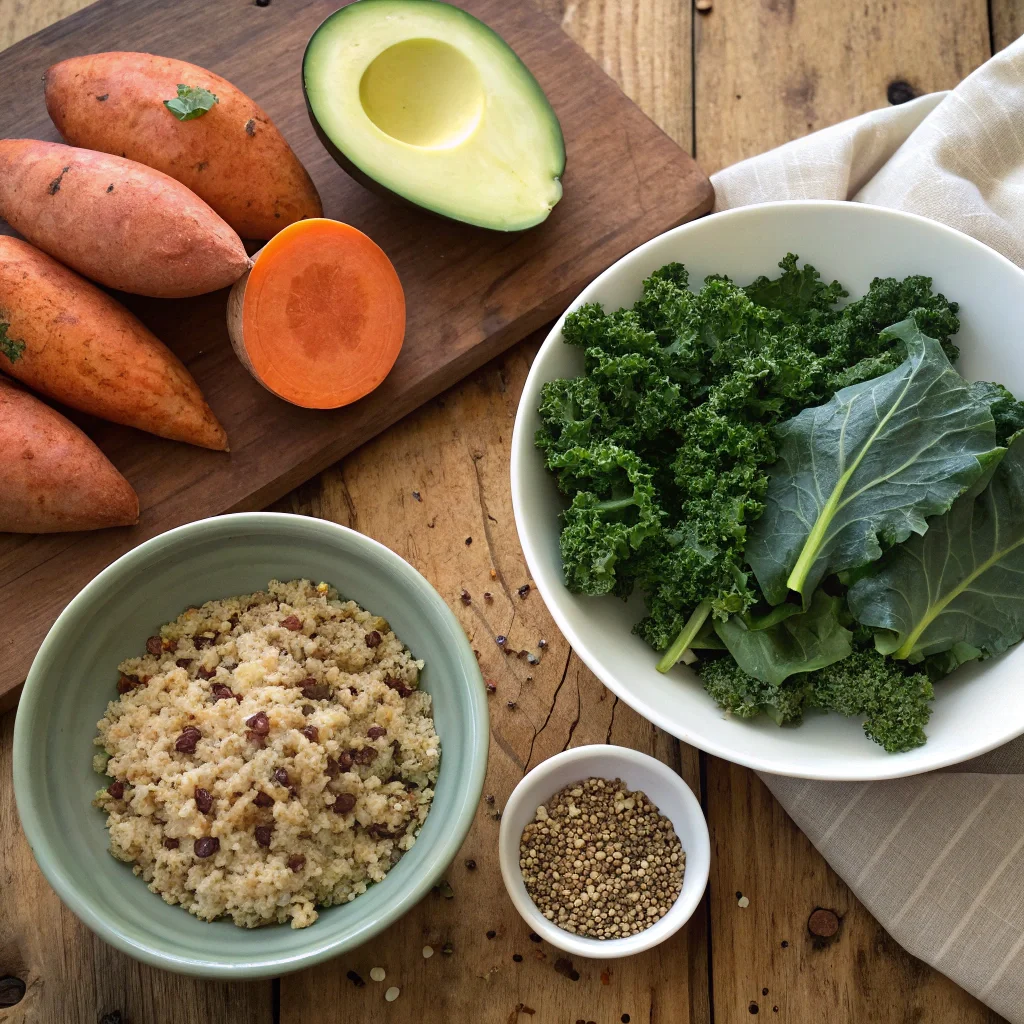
(232, 155)
(65, 338)
(52, 477)
(116, 221)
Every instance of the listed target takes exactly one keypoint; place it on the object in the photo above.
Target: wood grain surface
(469, 293)
(454, 451)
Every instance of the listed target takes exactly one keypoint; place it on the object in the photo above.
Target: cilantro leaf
(10, 347)
(191, 102)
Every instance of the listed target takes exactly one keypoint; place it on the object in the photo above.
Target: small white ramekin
(666, 790)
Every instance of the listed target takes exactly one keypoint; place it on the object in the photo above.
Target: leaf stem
(682, 642)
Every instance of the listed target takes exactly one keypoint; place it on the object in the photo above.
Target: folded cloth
(938, 858)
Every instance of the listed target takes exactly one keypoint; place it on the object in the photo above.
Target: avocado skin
(371, 184)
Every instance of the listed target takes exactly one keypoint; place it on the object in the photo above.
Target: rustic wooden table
(726, 83)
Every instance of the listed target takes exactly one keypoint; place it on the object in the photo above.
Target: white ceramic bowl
(670, 794)
(976, 709)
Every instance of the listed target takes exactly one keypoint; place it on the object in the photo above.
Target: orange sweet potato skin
(52, 477)
(116, 221)
(232, 156)
(65, 338)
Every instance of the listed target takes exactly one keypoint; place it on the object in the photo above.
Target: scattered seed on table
(378, 973)
(532, 658)
(542, 644)
(534, 937)
(417, 495)
(445, 889)
(494, 574)
(501, 640)
(523, 591)
(469, 540)
(489, 798)
(428, 952)
(785, 944)
(511, 705)
(599, 860)
(743, 902)
(355, 979)
(488, 596)
(517, 957)
(392, 994)
(447, 949)
(491, 933)
(464, 597)
(491, 686)
(471, 865)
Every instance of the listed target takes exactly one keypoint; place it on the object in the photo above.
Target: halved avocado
(422, 100)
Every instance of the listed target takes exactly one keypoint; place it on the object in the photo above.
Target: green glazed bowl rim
(439, 855)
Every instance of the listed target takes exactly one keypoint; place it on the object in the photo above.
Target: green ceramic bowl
(73, 677)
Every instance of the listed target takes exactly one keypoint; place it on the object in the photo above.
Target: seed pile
(600, 861)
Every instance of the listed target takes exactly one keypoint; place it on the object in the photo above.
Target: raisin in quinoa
(269, 754)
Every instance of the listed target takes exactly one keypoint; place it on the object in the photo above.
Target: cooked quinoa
(269, 754)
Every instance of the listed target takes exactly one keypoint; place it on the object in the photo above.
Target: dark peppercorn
(262, 799)
(899, 92)
(206, 846)
(753, 1008)
(488, 596)
(263, 834)
(344, 803)
(204, 800)
(259, 723)
(186, 742)
(785, 944)
(116, 789)
(489, 798)
(471, 865)
(312, 733)
(624, 1018)
(155, 645)
(518, 957)
(469, 540)
(492, 687)
(465, 598)
(501, 640)
(491, 933)
(417, 495)
(523, 591)
(296, 862)
(511, 705)
(281, 776)
(542, 644)
(372, 639)
(293, 622)
(352, 976)
(534, 937)
(376, 731)
(171, 844)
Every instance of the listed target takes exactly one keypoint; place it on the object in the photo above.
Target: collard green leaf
(775, 646)
(960, 585)
(191, 102)
(863, 471)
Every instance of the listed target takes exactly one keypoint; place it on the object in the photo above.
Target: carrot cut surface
(319, 320)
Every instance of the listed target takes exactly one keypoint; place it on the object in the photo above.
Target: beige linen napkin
(938, 859)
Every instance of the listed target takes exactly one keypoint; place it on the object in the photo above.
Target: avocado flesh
(425, 101)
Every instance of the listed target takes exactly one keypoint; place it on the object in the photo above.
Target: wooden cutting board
(470, 293)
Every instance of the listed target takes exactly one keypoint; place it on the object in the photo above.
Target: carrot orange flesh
(322, 315)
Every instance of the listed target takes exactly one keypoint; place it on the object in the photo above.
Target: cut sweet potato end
(322, 315)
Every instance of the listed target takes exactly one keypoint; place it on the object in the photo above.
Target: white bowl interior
(976, 709)
(669, 793)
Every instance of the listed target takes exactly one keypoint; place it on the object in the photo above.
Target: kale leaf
(863, 471)
(191, 102)
(957, 588)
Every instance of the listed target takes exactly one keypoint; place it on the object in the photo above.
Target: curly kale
(691, 383)
(895, 703)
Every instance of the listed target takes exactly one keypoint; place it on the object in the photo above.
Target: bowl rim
(321, 949)
(893, 766)
(696, 845)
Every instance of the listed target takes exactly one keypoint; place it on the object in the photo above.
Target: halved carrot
(319, 320)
